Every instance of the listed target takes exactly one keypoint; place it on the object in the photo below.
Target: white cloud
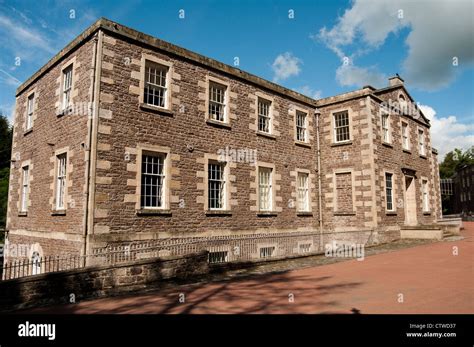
(285, 66)
(439, 31)
(8, 79)
(448, 133)
(349, 75)
(24, 37)
(308, 91)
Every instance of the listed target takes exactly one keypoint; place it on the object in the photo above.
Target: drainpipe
(317, 113)
(93, 114)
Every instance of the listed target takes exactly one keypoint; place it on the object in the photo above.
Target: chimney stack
(395, 81)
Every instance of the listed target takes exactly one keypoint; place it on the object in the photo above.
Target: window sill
(303, 144)
(387, 144)
(218, 124)
(426, 213)
(342, 143)
(30, 130)
(407, 151)
(304, 214)
(22, 214)
(344, 213)
(390, 213)
(58, 213)
(161, 110)
(152, 212)
(64, 111)
(422, 156)
(218, 213)
(270, 136)
(267, 214)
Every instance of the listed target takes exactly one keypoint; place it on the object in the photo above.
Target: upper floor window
(403, 103)
(424, 188)
(152, 180)
(341, 126)
(265, 188)
(264, 116)
(25, 188)
(385, 128)
(61, 176)
(421, 142)
(29, 112)
(389, 191)
(301, 126)
(67, 86)
(217, 101)
(405, 136)
(303, 192)
(216, 185)
(156, 90)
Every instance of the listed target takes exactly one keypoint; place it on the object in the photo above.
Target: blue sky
(305, 53)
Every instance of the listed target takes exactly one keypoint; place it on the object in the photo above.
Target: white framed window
(385, 127)
(303, 192)
(25, 189)
(30, 110)
(217, 101)
(265, 188)
(35, 263)
(61, 176)
(216, 186)
(267, 252)
(405, 136)
(156, 88)
(301, 126)
(67, 86)
(152, 189)
(424, 189)
(389, 191)
(421, 142)
(264, 116)
(341, 127)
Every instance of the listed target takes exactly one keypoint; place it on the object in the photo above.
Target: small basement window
(304, 247)
(267, 252)
(218, 257)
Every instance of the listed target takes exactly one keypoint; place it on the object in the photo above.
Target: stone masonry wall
(124, 127)
(50, 133)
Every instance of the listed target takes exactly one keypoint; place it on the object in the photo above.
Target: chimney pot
(395, 81)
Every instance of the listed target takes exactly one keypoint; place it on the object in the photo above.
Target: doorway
(410, 201)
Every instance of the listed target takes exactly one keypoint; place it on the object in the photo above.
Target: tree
(6, 133)
(454, 160)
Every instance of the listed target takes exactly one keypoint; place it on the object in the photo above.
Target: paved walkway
(428, 279)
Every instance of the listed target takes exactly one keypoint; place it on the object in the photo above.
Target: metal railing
(221, 249)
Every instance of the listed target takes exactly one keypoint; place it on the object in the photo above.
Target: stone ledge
(156, 109)
(345, 143)
(218, 213)
(218, 124)
(153, 212)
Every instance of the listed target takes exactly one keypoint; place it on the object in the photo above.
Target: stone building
(123, 137)
(463, 198)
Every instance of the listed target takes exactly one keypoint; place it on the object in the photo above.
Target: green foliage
(455, 160)
(6, 133)
(4, 175)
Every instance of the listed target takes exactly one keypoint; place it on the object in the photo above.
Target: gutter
(91, 145)
(317, 113)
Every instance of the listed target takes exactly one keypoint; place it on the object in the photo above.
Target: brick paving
(427, 274)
